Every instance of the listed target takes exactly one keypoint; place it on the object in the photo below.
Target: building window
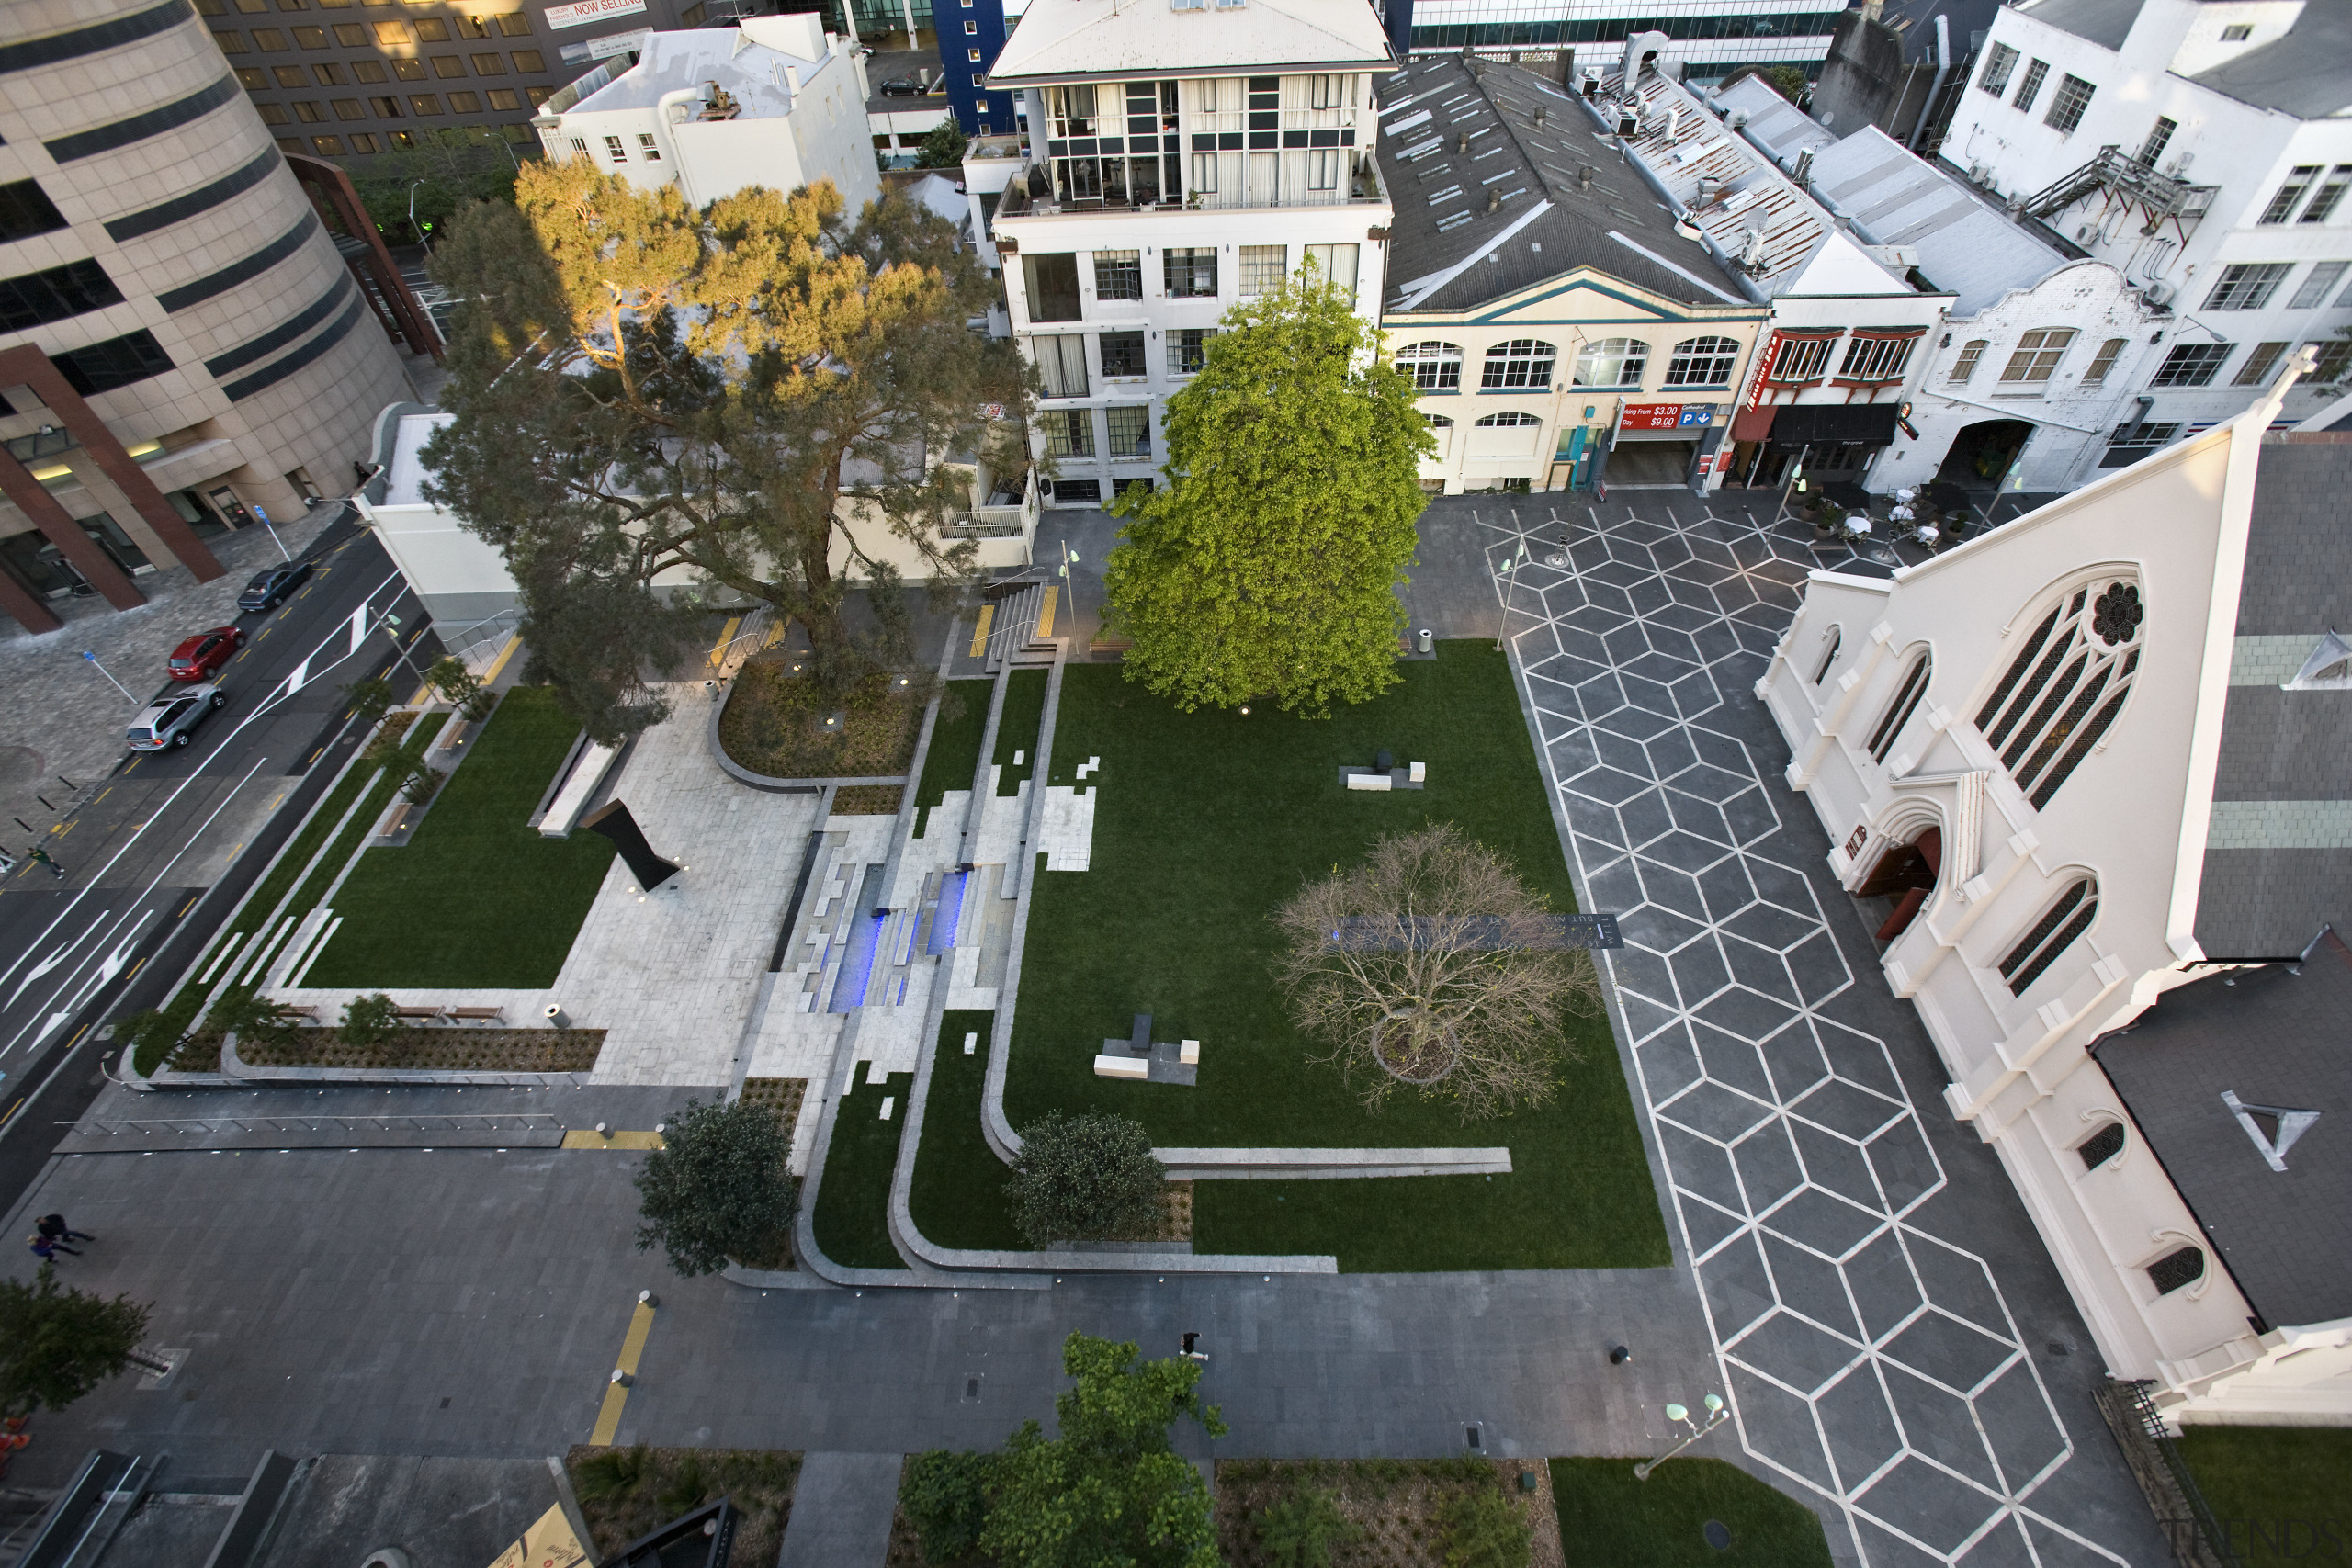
(1188, 350)
(1191, 272)
(1205, 172)
(614, 148)
(506, 99)
(2066, 687)
(1323, 170)
(2335, 358)
(465, 103)
(2030, 87)
(1964, 364)
(2177, 1270)
(231, 41)
(311, 38)
(2000, 63)
(408, 71)
(1510, 419)
(1118, 275)
(1071, 490)
(2104, 361)
(579, 147)
(971, 29)
(2101, 1147)
(972, 56)
(275, 114)
(2132, 442)
(1061, 365)
(1898, 712)
(647, 148)
(1875, 359)
(2159, 137)
(351, 35)
(2247, 286)
(1262, 267)
(364, 143)
(2317, 285)
(1130, 431)
(310, 112)
(253, 78)
(1702, 362)
(1607, 362)
(1335, 265)
(1123, 356)
(2299, 179)
(1522, 364)
(426, 104)
(289, 76)
(117, 362)
(1829, 646)
(2036, 356)
(2237, 32)
(54, 294)
(472, 28)
(2191, 364)
(488, 65)
(2260, 361)
(368, 71)
(1434, 367)
(2324, 205)
(529, 61)
(327, 146)
(269, 40)
(2068, 919)
(431, 30)
(1799, 359)
(1052, 286)
(1070, 433)
(350, 108)
(2067, 106)
(514, 24)
(328, 75)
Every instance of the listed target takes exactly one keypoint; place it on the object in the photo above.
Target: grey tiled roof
(2102, 22)
(2274, 1038)
(2307, 73)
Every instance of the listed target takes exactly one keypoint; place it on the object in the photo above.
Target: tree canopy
(643, 391)
(436, 173)
(1267, 566)
(1092, 1176)
(56, 1345)
(717, 1189)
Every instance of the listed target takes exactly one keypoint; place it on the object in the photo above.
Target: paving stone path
(1872, 1355)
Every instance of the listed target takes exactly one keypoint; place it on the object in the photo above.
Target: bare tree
(1431, 965)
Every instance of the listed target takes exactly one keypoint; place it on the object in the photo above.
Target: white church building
(2092, 773)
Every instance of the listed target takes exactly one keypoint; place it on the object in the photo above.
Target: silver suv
(172, 719)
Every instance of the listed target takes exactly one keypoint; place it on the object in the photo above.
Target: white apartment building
(2086, 770)
(773, 101)
(1180, 158)
(1710, 38)
(2203, 147)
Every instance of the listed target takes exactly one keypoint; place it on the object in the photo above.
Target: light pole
(1069, 558)
(108, 674)
(1505, 572)
(393, 623)
(273, 532)
(1717, 1416)
(411, 214)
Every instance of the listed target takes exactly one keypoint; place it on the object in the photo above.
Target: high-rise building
(1712, 38)
(180, 340)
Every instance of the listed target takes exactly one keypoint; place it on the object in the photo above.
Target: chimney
(1803, 175)
(1584, 177)
(1494, 201)
(1462, 142)
(1539, 113)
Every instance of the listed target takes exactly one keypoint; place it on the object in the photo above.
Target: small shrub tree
(943, 148)
(461, 688)
(720, 1188)
(148, 1035)
(1300, 1530)
(369, 1020)
(404, 760)
(1484, 1530)
(56, 1345)
(945, 1498)
(370, 700)
(251, 1015)
(1086, 1178)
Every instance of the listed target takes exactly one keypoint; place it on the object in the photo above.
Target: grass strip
(852, 1203)
(2277, 1492)
(954, 754)
(1206, 823)
(958, 1197)
(476, 898)
(1606, 1516)
(1016, 729)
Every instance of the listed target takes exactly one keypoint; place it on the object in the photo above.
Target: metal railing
(2125, 176)
(424, 1122)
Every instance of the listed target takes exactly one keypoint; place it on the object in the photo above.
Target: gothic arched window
(2065, 686)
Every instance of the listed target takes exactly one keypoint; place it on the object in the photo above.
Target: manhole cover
(1718, 1535)
(1555, 559)
(20, 766)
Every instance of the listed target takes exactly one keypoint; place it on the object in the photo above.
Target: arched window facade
(1829, 646)
(2066, 685)
(1964, 364)
(1702, 362)
(2053, 934)
(2177, 1270)
(1509, 433)
(1509, 418)
(1612, 362)
(2101, 1147)
(1434, 367)
(1442, 430)
(1522, 364)
(1898, 712)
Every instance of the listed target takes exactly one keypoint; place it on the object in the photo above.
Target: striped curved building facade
(182, 338)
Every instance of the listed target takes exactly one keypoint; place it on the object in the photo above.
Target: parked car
(903, 88)
(205, 653)
(270, 589)
(170, 721)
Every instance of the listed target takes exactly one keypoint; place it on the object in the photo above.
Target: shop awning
(1834, 424)
(1753, 424)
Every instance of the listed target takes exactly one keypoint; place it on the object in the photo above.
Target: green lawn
(1206, 823)
(852, 1202)
(958, 1197)
(1016, 729)
(2278, 1492)
(476, 898)
(1608, 1519)
(954, 754)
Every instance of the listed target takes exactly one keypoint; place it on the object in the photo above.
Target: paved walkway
(840, 1511)
(1895, 1339)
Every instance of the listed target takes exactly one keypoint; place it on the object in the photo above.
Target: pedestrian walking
(54, 1227)
(47, 1250)
(40, 856)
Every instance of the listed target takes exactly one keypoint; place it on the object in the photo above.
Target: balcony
(1008, 514)
(2126, 180)
(1032, 192)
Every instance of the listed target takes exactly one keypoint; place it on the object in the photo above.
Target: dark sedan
(903, 88)
(270, 589)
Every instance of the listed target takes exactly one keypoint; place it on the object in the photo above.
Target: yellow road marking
(589, 1138)
(64, 828)
(187, 907)
(1046, 613)
(981, 630)
(103, 794)
(608, 1418)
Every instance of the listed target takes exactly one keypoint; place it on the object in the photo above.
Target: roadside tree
(56, 1345)
(719, 1189)
(1092, 1176)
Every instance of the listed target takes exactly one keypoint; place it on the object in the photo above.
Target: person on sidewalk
(54, 1227)
(41, 857)
(47, 1250)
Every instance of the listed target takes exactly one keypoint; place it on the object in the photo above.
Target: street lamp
(392, 623)
(411, 212)
(1717, 1416)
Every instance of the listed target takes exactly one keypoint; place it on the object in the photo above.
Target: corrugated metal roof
(1965, 245)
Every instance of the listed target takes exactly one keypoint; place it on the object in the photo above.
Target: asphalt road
(159, 856)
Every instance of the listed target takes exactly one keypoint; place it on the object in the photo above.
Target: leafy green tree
(719, 1189)
(1092, 1176)
(945, 1498)
(751, 397)
(1268, 565)
(456, 168)
(1300, 1530)
(403, 757)
(250, 1016)
(369, 1019)
(461, 688)
(148, 1035)
(370, 700)
(943, 148)
(56, 1345)
(1484, 1530)
(1110, 1488)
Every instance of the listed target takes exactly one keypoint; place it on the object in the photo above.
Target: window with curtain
(2036, 356)
(2104, 361)
(2065, 686)
(2069, 916)
(1964, 364)
(1061, 365)
(1262, 267)
(1336, 265)
(1070, 433)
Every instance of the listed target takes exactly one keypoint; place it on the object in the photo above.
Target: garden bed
(439, 1049)
(627, 1493)
(852, 1219)
(1205, 823)
(773, 723)
(869, 800)
(1662, 1522)
(954, 756)
(1395, 1506)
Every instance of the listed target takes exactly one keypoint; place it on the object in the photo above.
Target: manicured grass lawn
(1608, 1518)
(954, 754)
(1016, 729)
(1206, 823)
(2278, 1492)
(852, 1202)
(958, 1197)
(477, 898)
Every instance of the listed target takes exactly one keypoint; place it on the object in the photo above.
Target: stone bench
(419, 1015)
(478, 1015)
(1136, 1067)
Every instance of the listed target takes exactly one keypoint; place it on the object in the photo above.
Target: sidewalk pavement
(840, 1511)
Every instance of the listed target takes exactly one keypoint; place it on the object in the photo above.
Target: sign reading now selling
(586, 11)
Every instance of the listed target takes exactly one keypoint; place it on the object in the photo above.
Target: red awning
(1753, 424)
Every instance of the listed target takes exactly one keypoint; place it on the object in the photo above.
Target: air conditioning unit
(2085, 232)
(2158, 293)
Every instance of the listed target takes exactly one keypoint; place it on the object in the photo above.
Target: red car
(199, 656)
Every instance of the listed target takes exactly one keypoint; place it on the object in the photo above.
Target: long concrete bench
(1311, 1165)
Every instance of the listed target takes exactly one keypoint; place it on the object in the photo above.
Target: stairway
(1022, 637)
